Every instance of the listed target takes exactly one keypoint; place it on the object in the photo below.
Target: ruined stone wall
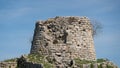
(8, 64)
(23, 62)
(30, 65)
(64, 38)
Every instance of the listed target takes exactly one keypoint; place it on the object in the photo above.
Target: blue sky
(18, 17)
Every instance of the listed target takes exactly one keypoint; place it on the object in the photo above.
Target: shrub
(79, 61)
(101, 60)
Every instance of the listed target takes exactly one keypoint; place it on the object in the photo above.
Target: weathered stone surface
(8, 64)
(64, 38)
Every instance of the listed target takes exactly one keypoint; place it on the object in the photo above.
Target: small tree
(97, 27)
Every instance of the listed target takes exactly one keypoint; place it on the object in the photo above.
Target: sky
(18, 18)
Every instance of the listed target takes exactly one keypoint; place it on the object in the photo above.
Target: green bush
(79, 61)
(11, 60)
(101, 60)
(39, 59)
(91, 66)
(100, 66)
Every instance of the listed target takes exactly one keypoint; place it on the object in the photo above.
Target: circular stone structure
(64, 38)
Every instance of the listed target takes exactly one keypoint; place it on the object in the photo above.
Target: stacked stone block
(8, 64)
(64, 38)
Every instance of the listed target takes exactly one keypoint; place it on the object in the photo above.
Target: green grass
(101, 60)
(39, 59)
(10, 60)
(35, 58)
(79, 61)
(91, 66)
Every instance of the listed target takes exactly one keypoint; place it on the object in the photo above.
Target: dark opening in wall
(48, 27)
(79, 22)
(66, 28)
(64, 37)
(78, 45)
(55, 41)
(71, 63)
(84, 29)
(61, 27)
(59, 55)
(60, 37)
(46, 44)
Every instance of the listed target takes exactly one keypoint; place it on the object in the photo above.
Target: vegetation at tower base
(33, 59)
(42, 62)
(11, 60)
(61, 42)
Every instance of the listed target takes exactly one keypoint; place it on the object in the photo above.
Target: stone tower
(64, 38)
